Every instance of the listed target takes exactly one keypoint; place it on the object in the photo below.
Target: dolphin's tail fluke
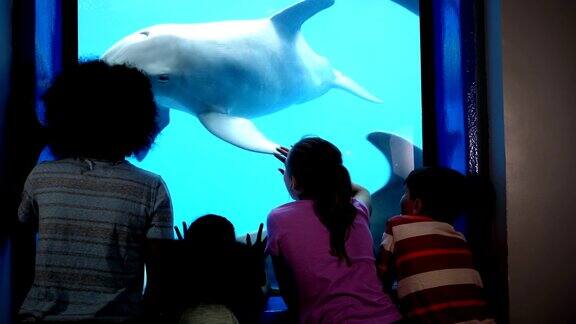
(345, 83)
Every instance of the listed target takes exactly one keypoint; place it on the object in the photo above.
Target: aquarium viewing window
(374, 43)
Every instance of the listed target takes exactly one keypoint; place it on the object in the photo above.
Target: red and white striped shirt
(437, 280)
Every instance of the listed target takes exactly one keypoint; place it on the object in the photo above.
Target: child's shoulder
(119, 170)
(408, 219)
(414, 225)
(287, 207)
(130, 170)
(129, 167)
(64, 165)
(293, 207)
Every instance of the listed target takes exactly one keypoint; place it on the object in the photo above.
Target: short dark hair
(97, 110)
(441, 190)
(212, 231)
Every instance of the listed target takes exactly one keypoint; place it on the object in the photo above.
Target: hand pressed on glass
(281, 154)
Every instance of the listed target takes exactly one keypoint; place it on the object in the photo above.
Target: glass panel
(375, 43)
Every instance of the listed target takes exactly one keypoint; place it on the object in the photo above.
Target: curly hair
(97, 110)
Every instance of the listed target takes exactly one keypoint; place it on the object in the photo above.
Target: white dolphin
(227, 72)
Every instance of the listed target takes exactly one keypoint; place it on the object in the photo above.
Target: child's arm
(161, 218)
(28, 209)
(385, 259)
(158, 235)
(385, 270)
(363, 195)
(282, 270)
(286, 284)
(257, 255)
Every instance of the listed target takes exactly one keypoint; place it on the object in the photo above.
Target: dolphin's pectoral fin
(289, 20)
(237, 131)
(345, 83)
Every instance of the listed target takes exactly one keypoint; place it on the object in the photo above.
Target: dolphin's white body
(228, 72)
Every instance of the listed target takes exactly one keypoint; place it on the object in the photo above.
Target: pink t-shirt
(328, 290)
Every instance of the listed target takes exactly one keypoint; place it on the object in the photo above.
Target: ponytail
(335, 210)
(317, 166)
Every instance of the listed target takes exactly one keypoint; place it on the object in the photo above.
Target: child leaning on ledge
(320, 243)
(437, 279)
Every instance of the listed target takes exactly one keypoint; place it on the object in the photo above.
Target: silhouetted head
(212, 232)
(314, 171)
(436, 192)
(96, 110)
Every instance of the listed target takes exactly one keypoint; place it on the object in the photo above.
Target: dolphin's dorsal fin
(402, 154)
(289, 20)
(237, 131)
(345, 83)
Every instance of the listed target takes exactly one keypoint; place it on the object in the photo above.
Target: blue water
(375, 42)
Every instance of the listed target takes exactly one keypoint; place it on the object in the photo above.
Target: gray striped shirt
(93, 218)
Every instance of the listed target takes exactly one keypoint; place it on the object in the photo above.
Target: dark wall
(5, 62)
(20, 143)
(5, 52)
(532, 102)
(20, 133)
(5, 58)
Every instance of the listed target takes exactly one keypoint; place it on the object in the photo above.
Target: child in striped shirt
(95, 212)
(437, 280)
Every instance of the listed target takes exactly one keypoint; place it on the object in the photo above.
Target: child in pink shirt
(321, 245)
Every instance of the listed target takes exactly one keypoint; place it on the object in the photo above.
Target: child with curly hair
(93, 210)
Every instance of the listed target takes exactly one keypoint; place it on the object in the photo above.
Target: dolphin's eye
(145, 33)
(163, 78)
